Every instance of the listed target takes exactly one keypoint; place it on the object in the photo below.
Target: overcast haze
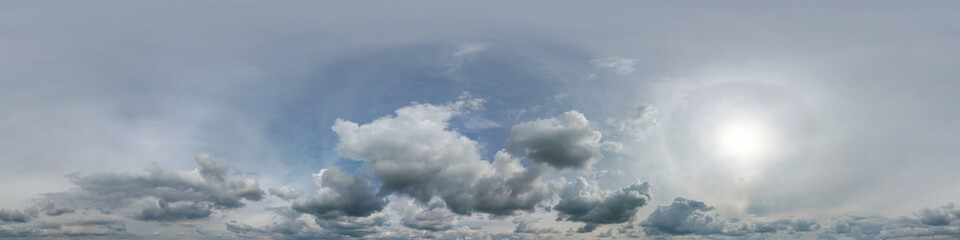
(483, 120)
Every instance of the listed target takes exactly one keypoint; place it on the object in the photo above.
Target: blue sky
(648, 120)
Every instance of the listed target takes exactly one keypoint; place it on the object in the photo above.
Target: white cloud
(415, 154)
(635, 124)
(286, 192)
(469, 49)
(623, 66)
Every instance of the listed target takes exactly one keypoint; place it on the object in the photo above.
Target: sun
(743, 139)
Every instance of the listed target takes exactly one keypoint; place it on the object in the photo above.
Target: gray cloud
(25, 215)
(287, 228)
(414, 154)
(434, 216)
(511, 187)
(98, 228)
(335, 228)
(51, 209)
(859, 226)
(173, 195)
(7, 215)
(339, 195)
(286, 192)
(567, 141)
(525, 225)
(940, 216)
(685, 216)
(583, 201)
(689, 217)
(166, 212)
(353, 226)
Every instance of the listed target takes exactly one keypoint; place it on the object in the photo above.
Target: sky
(479, 120)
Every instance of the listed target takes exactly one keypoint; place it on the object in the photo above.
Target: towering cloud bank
(416, 154)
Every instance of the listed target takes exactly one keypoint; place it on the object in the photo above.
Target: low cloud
(511, 187)
(97, 228)
(163, 195)
(27, 214)
(690, 217)
(683, 216)
(525, 225)
(940, 216)
(340, 195)
(286, 193)
(297, 228)
(583, 201)
(877, 227)
(567, 141)
(433, 216)
(167, 212)
(14, 216)
(415, 154)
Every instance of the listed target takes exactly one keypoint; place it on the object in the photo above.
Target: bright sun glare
(743, 140)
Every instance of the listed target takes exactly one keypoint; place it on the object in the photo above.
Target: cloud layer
(162, 195)
(583, 201)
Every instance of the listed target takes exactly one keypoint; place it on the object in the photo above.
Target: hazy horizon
(479, 120)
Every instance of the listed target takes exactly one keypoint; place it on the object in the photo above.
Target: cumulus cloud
(27, 214)
(623, 66)
(689, 217)
(525, 225)
(7, 215)
(878, 227)
(286, 192)
(167, 212)
(415, 154)
(291, 228)
(510, 187)
(340, 195)
(685, 216)
(163, 195)
(857, 226)
(583, 201)
(567, 141)
(434, 216)
(940, 216)
(354, 226)
(295, 228)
